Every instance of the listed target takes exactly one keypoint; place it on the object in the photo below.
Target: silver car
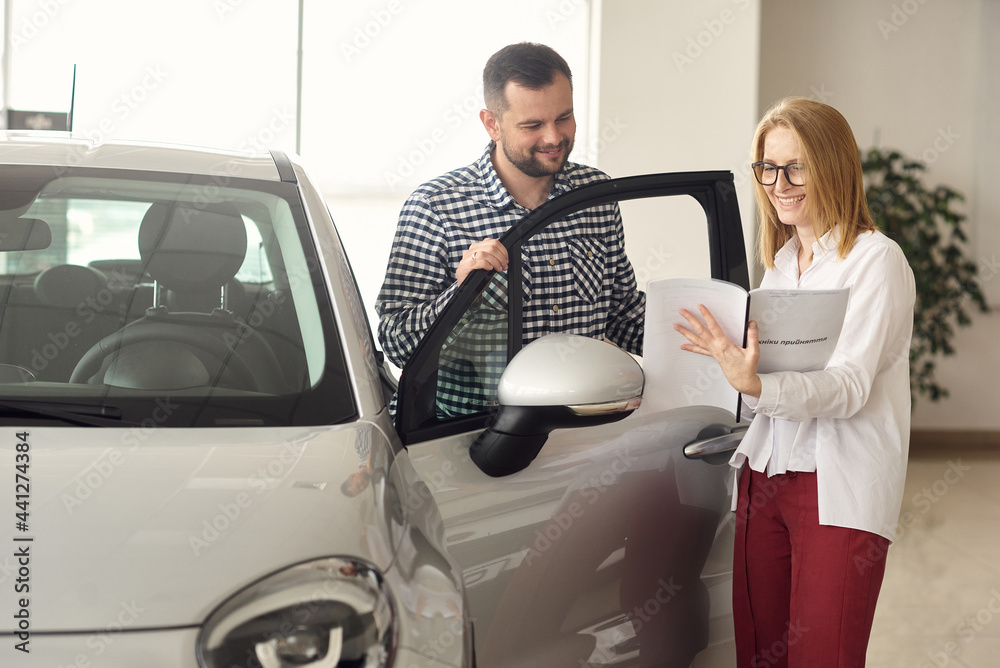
(200, 467)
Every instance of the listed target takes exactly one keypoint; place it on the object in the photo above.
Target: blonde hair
(835, 192)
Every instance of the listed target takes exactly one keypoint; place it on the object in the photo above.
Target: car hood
(156, 528)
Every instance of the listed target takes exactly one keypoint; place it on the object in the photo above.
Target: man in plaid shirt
(577, 278)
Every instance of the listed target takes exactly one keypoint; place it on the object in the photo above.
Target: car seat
(192, 252)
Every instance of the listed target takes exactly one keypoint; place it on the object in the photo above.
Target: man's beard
(532, 166)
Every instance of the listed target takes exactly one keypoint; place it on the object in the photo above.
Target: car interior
(112, 286)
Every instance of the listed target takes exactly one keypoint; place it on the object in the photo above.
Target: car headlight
(329, 613)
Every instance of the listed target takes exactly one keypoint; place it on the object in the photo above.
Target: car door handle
(715, 439)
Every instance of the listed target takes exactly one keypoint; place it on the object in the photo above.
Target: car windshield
(124, 292)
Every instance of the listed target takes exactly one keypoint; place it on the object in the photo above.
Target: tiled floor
(940, 601)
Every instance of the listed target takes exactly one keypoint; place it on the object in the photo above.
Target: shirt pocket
(588, 256)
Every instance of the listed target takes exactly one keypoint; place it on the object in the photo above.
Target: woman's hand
(738, 364)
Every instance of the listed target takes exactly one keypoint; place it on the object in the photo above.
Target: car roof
(65, 149)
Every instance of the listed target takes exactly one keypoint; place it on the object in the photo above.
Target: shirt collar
(786, 260)
(827, 244)
(494, 190)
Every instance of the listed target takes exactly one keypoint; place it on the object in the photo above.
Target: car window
(474, 355)
(165, 286)
(666, 237)
(687, 216)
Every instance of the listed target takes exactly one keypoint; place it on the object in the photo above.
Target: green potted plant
(924, 222)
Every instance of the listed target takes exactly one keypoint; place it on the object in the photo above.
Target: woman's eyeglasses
(767, 173)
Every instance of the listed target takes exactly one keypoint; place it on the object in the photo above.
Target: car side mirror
(556, 382)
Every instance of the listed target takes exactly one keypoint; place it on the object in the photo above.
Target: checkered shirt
(576, 278)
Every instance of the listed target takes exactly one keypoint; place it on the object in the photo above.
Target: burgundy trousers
(804, 594)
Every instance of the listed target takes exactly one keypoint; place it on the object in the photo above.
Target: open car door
(589, 532)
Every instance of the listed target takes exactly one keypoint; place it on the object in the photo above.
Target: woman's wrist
(752, 387)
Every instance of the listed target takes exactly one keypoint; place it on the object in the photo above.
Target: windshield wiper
(87, 415)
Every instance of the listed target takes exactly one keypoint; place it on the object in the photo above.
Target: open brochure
(797, 329)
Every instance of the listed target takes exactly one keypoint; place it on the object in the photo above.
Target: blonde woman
(820, 471)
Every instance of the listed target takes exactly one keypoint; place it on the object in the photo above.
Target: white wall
(918, 76)
(678, 82)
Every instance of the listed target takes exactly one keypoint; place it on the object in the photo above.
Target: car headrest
(69, 285)
(125, 272)
(192, 249)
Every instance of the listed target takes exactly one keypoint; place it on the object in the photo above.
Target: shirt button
(555, 307)
(590, 254)
(552, 261)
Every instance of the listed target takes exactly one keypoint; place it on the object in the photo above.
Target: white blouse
(851, 421)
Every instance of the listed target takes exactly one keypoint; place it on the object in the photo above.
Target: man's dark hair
(527, 64)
